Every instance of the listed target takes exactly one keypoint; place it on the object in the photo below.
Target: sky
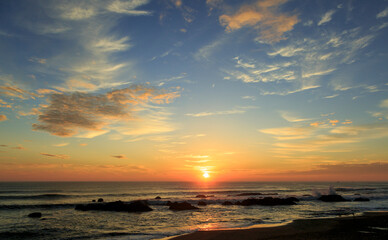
(172, 90)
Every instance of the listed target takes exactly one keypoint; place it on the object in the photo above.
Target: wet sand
(371, 225)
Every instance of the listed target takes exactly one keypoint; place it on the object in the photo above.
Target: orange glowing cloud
(333, 122)
(263, 16)
(3, 117)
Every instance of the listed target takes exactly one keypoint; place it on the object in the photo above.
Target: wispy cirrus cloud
(288, 92)
(383, 13)
(265, 16)
(324, 137)
(326, 17)
(61, 144)
(15, 91)
(290, 117)
(320, 73)
(383, 112)
(300, 64)
(288, 133)
(287, 51)
(86, 26)
(226, 112)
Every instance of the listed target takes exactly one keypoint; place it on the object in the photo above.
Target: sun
(206, 175)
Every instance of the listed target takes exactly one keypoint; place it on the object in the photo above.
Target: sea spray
(319, 192)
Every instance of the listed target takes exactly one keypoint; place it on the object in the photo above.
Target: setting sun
(206, 175)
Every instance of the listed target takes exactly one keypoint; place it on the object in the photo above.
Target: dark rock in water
(93, 200)
(332, 198)
(200, 196)
(100, 200)
(361, 199)
(118, 206)
(35, 215)
(268, 201)
(182, 206)
(227, 203)
(168, 203)
(293, 199)
(158, 198)
(202, 203)
(307, 195)
(210, 196)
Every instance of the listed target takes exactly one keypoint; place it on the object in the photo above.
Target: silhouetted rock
(158, 198)
(168, 203)
(293, 199)
(202, 203)
(268, 201)
(361, 199)
(227, 203)
(118, 206)
(93, 200)
(182, 206)
(200, 196)
(332, 198)
(35, 215)
(100, 200)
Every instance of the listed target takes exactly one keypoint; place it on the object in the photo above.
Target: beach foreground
(371, 225)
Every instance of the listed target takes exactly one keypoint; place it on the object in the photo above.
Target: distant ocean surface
(56, 202)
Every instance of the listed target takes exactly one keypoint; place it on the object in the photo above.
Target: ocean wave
(349, 189)
(35, 206)
(29, 191)
(40, 196)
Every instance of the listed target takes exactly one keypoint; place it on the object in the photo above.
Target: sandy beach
(371, 225)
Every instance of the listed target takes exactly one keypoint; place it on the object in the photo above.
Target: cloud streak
(206, 114)
(60, 156)
(326, 17)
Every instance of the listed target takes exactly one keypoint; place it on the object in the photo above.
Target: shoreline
(365, 226)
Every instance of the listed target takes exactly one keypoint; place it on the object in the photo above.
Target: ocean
(56, 201)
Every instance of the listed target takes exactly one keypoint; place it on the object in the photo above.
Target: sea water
(56, 202)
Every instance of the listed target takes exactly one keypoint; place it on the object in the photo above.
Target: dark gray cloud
(69, 112)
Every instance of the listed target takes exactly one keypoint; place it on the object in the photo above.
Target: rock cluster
(181, 206)
(332, 198)
(35, 215)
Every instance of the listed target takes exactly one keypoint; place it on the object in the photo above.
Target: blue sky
(167, 90)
